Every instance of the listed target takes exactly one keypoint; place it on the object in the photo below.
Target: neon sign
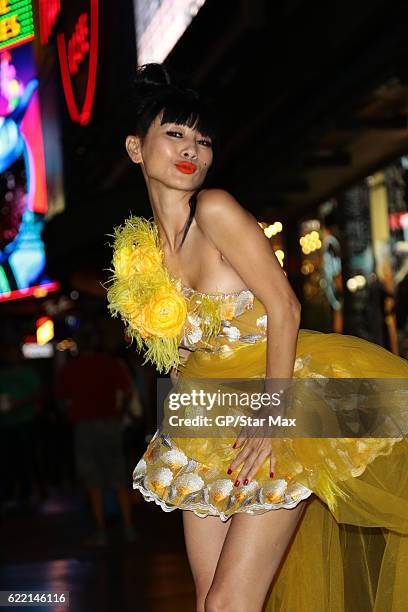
(49, 11)
(78, 45)
(23, 196)
(16, 23)
(77, 57)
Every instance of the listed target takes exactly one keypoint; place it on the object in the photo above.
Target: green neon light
(4, 284)
(16, 22)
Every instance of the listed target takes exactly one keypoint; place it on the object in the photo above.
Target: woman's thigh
(204, 539)
(252, 552)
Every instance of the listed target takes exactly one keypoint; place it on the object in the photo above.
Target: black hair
(154, 90)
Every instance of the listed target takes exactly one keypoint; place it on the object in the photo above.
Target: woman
(201, 290)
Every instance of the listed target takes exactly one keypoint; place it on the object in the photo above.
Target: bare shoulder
(218, 205)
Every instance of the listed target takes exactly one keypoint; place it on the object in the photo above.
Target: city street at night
(203, 305)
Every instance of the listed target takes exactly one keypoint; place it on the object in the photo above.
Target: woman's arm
(237, 235)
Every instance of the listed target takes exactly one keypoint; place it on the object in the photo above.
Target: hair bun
(152, 78)
(153, 74)
(154, 88)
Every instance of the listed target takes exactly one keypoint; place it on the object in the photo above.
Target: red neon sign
(37, 291)
(78, 45)
(80, 115)
(82, 42)
(49, 11)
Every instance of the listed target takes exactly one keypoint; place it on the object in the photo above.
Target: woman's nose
(190, 151)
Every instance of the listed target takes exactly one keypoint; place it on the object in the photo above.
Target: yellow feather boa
(148, 299)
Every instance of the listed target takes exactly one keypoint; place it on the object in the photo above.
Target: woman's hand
(254, 451)
(174, 374)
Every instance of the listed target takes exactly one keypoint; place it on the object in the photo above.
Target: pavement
(42, 549)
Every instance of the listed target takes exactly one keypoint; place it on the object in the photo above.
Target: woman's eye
(206, 143)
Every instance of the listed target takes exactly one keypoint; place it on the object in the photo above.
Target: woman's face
(173, 154)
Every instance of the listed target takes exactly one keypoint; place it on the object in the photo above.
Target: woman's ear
(132, 144)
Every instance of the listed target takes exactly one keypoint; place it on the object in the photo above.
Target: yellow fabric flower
(136, 323)
(134, 259)
(150, 301)
(165, 313)
(143, 293)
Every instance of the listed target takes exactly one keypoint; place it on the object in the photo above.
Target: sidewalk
(43, 551)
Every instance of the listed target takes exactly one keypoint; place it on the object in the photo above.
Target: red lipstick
(186, 167)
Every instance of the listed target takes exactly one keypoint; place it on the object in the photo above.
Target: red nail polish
(229, 471)
(236, 483)
(272, 474)
(233, 446)
(246, 481)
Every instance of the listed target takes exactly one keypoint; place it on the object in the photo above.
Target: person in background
(140, 414)
(97, 386)
(20, 401)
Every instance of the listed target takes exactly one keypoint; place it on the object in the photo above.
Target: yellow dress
(351, 549)
(350, 552)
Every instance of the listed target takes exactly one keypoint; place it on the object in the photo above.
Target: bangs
(192, 114)
(183, 108)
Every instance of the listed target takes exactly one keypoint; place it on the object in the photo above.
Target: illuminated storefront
(354, 254)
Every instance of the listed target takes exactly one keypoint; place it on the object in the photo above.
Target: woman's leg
(204, 540)
(252, 552)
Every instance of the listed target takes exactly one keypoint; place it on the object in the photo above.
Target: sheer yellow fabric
(353, 556)
(356, 559)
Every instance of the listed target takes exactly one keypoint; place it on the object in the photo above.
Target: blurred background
(314, 142)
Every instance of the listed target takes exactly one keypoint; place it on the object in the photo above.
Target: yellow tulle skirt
(350, 551)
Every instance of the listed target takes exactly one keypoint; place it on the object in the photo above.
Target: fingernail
(236, 483)
(229, 471)
(233, 446)
(246, 481)
(272, 474)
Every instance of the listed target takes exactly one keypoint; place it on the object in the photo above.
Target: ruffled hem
(211, 510)
(173, 480)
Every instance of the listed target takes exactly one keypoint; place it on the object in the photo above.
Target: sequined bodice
(242, 320)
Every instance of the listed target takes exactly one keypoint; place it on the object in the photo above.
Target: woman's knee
(200, 605)
(201, 594)
(220, 601)
(202, 586)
